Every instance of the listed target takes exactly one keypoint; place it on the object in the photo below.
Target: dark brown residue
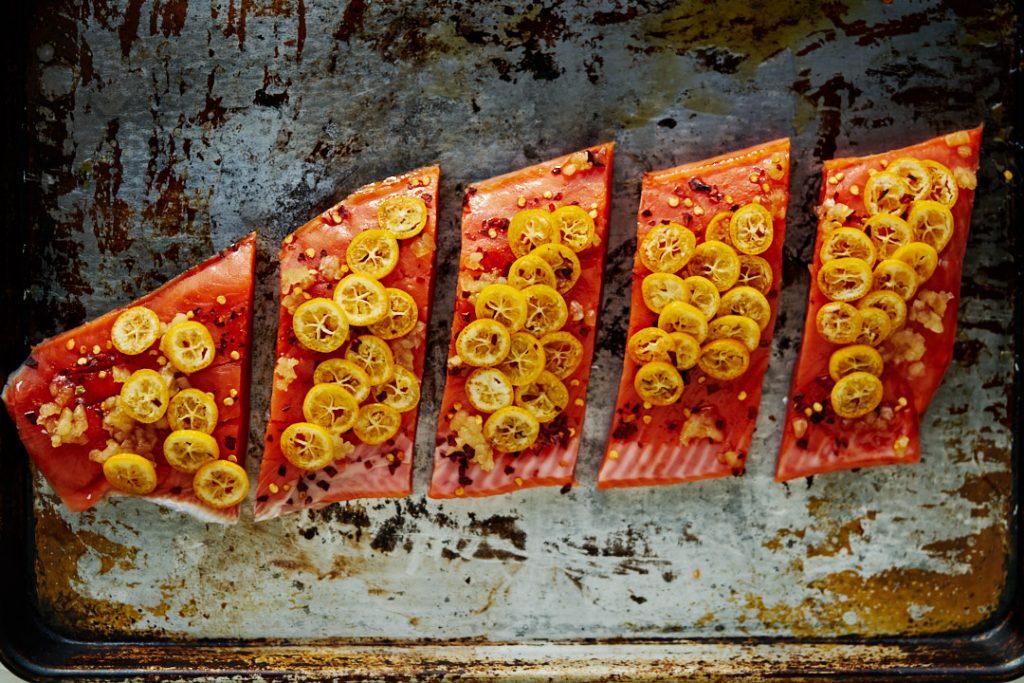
(502, 526)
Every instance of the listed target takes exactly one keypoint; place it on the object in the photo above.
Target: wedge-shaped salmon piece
(151, 399)
(881, 313)
(526, 309)
(705, 297)
(356, 283)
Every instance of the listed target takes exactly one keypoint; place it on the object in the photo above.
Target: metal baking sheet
(161, 130)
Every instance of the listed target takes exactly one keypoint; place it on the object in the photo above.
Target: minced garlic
(284, 372)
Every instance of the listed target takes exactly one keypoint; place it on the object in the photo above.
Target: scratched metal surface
(162, 130)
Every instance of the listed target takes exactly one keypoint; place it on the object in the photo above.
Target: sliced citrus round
(921, 257)
(704, 295)
(914, 174)
(848, 243)
(546, 311)
(718, 228)
(402, 316)
(377, 423)
(483, 343)
(135, 330)
(750, 229)
(364, 300)
(748, 302)
(838, 322)
(564, 264)
(530, 270)
(144, 396)
(220, 484)
(755, 272)
(320, 325)
(545, 397)
(661, 289)
(186, 450)
(667, 248)
(189, 346)
(374, 356)
(855, 358)
(373, 253)
(401, 392)
(658, 383)
(193, 409)
(886, 193)
(511, 429)
(403, 217)
(331, 407)
(648, 344)
(346, 375)
(574, 225)
(931, 223)
(890, 302)
(943, 185)
(525, 360)
(738, 327)
(844, 279)
(888, 233)
(717, 262)
(130, 473)
(856, 394)
(529, 229)
(307, 446)
(488, 390)
(679, 316)
(724, 359)
(502, 303)
(896, 276)
(875, 326)
(562, 353)
(684, 350)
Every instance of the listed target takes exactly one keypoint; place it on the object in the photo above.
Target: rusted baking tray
(142, 135)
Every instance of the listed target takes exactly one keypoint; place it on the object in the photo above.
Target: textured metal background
(162, 130)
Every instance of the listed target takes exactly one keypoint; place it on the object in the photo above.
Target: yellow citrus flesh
(345, 374)
(502, 303)
(667, 248)
(377, 423)
(838, 322)
(373, 253)
(661, 289)
(320, 325)
(401, 392)
(856, 395)
(511, 429)
(525, 360)
(331, 407)
(402, 316)
(145, 396)
(135, 330)
(189, 346)
(186, 450)
(403, 217)
(307, 446)
(220, 484)
(658, 383)
(489, 390)
(724, 359)
(374, 356)
(363, 299)
(130, 473)
(483, 343)
(193, 409)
